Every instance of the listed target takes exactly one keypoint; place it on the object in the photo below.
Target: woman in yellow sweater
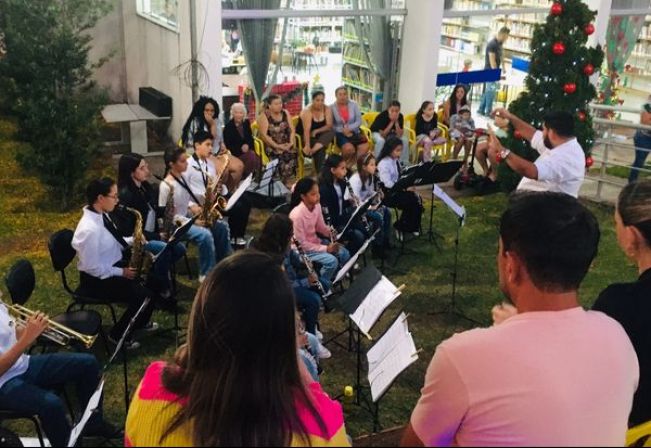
(238, 380)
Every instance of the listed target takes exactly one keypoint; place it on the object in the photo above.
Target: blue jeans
(380, 141)
(381, 219)
(487, 99)
(203, 238)
(32, 393)
(308, 301)
(163, 265)
(329, 263)
(642, 148)
(221, 234)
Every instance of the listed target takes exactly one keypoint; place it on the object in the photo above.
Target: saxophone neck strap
(113, 230)
(186, 187)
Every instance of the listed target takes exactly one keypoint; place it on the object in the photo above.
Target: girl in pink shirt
(310, 229)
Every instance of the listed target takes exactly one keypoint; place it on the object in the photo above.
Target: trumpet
(55, 332)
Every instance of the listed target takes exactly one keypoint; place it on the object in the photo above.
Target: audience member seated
(552, 375)
(428, 134)
(391, 123)
(278, 134)
(315, 128)
(347, 121)
(628, 303)
(238, 381)
(457, 100)
(238, 138)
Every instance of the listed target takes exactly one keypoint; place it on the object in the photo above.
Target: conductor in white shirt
(102, 272)
(561, 165)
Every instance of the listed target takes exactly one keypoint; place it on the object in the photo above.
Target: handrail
(608, 108)
(621, 124)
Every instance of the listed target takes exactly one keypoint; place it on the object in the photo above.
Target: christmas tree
(559, 79)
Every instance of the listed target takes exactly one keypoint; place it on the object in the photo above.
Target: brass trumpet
(55, 332)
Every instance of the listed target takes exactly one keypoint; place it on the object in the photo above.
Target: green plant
(559, 78)
(46, 79)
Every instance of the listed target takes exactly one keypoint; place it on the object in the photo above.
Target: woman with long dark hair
(407, 200)
(238, 380)
(311, 230)
(137, 193)
(335, 204)
(276, 241)
(278, 134)
(316, 129)
(205, 117)
(427, 131)
(457, 100)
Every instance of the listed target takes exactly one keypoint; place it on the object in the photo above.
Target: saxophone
(214, 203)
(140, 261)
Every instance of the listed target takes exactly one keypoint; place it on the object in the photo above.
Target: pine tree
(559, 79)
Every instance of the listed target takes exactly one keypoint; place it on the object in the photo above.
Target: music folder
(357, 214)
(368, 297)
(350, 263)
(178, 234)
(244, 185)
(428, 173)
(390, 356)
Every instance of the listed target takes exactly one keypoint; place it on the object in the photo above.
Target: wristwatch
(502, 155)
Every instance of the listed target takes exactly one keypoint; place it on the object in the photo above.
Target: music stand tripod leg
(433, 235)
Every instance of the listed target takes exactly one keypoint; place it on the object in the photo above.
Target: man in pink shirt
(552, 375)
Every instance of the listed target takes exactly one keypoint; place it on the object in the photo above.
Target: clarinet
(357, 203)
(326, 217)
(310, 267)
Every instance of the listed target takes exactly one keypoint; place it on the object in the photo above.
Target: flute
(310, 267)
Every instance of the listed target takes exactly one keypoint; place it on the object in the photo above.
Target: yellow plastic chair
(368, 118)
(367, 121)
(259, 145)
(410, 127)
(300, 170)
(639, 435)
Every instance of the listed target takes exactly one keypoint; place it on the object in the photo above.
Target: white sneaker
(318, 335)
(201, 278)
(416, 234)
(323, 353)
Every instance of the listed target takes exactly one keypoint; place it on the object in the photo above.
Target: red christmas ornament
(569, 88)
(582, 116)
(588, 70)
(559, 48)
(589, 29)
(589, 161)
(517, 134)
(557, 9)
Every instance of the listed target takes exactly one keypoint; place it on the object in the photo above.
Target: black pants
(119, 290)
(412, 210)
(238, 217)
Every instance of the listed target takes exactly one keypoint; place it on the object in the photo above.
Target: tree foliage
(548, 75)
(46, 82)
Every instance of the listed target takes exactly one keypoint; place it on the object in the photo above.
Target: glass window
(163, 12)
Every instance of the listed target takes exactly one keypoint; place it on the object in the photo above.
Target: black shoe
(168, 305)
(129, 344)
(103, 429)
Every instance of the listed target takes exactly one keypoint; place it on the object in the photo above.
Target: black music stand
(438, 173)
(452, 308)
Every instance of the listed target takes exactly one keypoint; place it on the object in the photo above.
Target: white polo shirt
(560, 170)
(8, 340)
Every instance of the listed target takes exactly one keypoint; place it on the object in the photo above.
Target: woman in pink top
(310, 228)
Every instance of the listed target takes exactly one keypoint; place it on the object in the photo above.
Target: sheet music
(244, 185)
(356, 213)
(369, 311)
(451, 203)
(266, 177)
(350, 263)
(390, 356)
(93, 404)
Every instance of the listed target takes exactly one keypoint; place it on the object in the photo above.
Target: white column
(603, 8)
(420, 53)
(209, 40)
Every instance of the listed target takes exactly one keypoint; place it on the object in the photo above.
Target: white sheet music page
(93, 404)
(369, 311)
(354, 215)
(390, 356)
(451, 203)
(244, 185)
(350, 263)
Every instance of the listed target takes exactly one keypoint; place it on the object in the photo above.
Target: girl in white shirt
(406, 200)
(365, 184)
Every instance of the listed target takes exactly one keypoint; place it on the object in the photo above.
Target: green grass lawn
(24, 231)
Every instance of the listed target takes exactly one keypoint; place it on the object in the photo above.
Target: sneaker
(129, 344)
(318, 334)
(416, 234)
(103, 429)
(240, 242)
(201, 278)
(150, 327)
(323, 353)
